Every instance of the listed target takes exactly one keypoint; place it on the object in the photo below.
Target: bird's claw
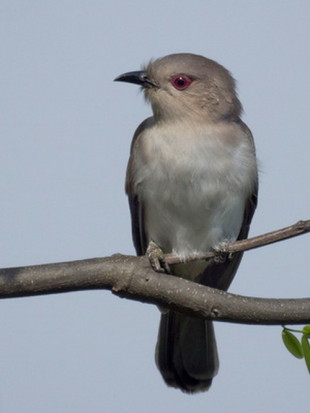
(221, 252)
(157, 259)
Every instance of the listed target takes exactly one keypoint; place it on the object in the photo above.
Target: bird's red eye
(181, 82)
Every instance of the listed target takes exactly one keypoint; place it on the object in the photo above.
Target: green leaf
(306, 349)
(306, 330)
(292, 344)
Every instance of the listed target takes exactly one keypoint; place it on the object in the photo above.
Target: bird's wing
(135, 205)
(138, 233)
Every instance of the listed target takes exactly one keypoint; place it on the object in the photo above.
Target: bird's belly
(187, 214)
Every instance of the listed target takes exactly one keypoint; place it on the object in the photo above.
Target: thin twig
(300, 228)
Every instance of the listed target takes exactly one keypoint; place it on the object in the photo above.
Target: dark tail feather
(186, 352)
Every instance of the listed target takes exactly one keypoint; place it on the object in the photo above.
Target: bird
(192, 184)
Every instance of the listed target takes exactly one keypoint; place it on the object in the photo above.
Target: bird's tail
(186, 352)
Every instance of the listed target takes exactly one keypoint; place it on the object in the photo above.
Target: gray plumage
(192, 184)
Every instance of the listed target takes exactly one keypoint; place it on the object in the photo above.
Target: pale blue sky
(65, 135)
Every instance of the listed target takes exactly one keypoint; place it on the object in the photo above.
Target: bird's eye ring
(181, 82)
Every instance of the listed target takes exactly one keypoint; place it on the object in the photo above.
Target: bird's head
(184, 84)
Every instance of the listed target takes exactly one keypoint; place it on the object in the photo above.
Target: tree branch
(133, 278)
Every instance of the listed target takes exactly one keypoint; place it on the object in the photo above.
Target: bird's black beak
(139, 78)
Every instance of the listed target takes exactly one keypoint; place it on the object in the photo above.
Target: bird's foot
(157, 259)
(221, 252)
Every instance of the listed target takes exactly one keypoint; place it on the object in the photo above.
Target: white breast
(193, 184)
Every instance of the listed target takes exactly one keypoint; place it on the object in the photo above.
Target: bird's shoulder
(135, 143)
